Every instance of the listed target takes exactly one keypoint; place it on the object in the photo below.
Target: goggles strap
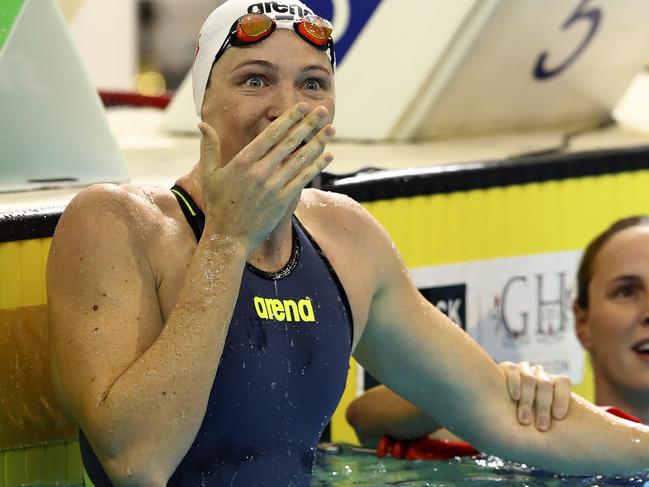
(237, 31)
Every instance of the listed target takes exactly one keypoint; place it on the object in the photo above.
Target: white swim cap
(217, 27)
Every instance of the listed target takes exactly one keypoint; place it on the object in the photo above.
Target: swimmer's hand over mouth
(246, 198)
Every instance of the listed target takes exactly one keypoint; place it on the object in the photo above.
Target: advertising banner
(516, 308)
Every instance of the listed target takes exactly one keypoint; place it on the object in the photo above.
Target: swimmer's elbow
(124, 472)
(354, 415)
(125, 477)
(356, 418)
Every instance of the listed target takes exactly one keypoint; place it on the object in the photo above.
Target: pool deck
(156, 157)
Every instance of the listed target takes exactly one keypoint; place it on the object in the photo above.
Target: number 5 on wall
(592, 15)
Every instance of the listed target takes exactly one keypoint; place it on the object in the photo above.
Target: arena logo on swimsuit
(284, 309)
(280, 8)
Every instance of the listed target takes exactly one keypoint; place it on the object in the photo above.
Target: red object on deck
(127, 98)
(620, 413)
(424, 449)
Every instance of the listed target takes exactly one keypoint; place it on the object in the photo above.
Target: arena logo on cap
(280, 8)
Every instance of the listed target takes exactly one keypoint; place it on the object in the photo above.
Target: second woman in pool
(611, 321)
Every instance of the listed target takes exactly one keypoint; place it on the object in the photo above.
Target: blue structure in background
(360, 12)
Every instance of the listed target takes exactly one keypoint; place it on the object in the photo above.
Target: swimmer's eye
(313, 84)
(316, 84)
(254, 81)
(626, 290)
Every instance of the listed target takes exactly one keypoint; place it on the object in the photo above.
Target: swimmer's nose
(645, 312)
(282, 99)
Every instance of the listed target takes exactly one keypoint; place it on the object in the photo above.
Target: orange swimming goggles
(253, 28)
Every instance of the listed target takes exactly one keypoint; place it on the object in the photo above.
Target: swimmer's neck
(274, 251)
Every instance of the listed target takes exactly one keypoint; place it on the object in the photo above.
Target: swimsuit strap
(195, 216)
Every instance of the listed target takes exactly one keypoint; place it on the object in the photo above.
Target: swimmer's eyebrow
(627, 277)
(258, 62)
(317, 67)
(273, 67)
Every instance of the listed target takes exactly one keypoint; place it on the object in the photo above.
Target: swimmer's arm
(379, 411)
(419, 353)
(137, 387)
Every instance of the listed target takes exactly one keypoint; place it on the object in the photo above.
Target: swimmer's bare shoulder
(352, 222)
(343, 220)
(358, 247)
(102, 278)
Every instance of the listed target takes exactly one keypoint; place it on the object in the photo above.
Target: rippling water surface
(342, 466)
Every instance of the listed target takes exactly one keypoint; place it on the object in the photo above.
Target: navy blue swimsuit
(280, 377)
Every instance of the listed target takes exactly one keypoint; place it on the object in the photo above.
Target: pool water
(344, 465)
(347, 466)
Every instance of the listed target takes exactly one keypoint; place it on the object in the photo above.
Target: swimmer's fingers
(305, 176)
(290, 147)
(273, 134)
(528, 391)
(513, 376)
(306, 163)
(210, 148)
(544, 398)
(562, 396)
(547, 396)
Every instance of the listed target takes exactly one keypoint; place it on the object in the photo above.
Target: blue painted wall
(360, 13)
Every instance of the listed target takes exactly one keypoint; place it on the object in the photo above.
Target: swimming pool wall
(496, 209)
(36, 443)
(440, 215)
